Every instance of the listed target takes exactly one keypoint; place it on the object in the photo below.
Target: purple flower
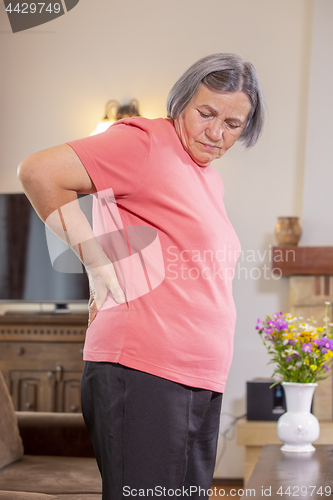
(326, 367)
(292, 342)
(280, 324)
(327, 343)
(307, 347)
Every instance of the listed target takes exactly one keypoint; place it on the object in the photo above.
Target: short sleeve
(116, 158)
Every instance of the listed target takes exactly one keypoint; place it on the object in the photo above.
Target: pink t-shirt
(161, 219)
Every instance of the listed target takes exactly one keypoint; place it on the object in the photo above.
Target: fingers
(102, 281)
(105, 276)
(117, 292)
(114, 286)
(93, 310)
(92, 316)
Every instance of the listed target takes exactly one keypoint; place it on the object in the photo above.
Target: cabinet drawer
(41, 356)
(37, 390)
(33, 390)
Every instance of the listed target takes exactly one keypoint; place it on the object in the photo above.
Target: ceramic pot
(298, 428)
(288, 231)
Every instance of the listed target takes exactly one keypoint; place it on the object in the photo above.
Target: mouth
(209, 147)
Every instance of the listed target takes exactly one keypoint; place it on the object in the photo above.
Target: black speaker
(264, 402)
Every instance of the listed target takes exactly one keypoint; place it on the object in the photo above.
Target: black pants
(149, 433)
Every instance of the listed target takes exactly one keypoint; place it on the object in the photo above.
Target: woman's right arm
(52, 177)
(51, 180)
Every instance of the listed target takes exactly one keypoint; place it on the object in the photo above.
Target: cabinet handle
(59, 374)
(20, 351)
(29, 406)
(74, 408)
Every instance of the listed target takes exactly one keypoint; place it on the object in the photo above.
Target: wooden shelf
(259, 433)
(43, 327)
(292, 260)
(43, 318)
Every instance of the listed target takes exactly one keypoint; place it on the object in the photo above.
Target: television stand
(41, 360)
(61, 309)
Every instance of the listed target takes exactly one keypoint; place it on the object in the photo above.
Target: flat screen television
(26, 272)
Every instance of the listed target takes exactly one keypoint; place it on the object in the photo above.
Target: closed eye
(203, 115)
(233, 125)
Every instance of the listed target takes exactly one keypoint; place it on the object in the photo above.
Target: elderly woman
(160, 337)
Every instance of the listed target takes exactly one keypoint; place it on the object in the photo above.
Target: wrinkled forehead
(217, 102)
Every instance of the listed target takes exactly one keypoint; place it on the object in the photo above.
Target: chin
(203, 162)
(200, 158)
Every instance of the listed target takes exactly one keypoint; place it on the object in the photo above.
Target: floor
(224, 490)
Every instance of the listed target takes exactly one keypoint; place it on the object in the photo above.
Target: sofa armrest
(55, 434)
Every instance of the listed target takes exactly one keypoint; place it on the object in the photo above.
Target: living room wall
(318, 200)
(56, 79)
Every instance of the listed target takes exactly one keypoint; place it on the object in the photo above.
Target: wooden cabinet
(41, 360)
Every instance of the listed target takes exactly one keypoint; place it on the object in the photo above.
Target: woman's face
(211, 123)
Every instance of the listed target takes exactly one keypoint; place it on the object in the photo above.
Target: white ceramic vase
(298, 428)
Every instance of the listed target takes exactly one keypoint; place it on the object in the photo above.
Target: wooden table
(254, 435)
(282, 475)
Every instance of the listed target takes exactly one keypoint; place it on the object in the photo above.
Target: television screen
(26, 271)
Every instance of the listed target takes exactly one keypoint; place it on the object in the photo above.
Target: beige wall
(56, 79)
(318, 199)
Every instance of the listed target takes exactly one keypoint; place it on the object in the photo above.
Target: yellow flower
(313, 367)
(317, 351)
(328, 356)
(320, 329)
(306, 361)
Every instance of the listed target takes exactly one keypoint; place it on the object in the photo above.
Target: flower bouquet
(302, 352)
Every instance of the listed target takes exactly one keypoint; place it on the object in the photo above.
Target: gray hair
(222, 73)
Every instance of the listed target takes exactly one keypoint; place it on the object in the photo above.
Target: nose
(214, 131)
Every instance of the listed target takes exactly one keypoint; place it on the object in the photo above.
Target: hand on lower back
(102, 281)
